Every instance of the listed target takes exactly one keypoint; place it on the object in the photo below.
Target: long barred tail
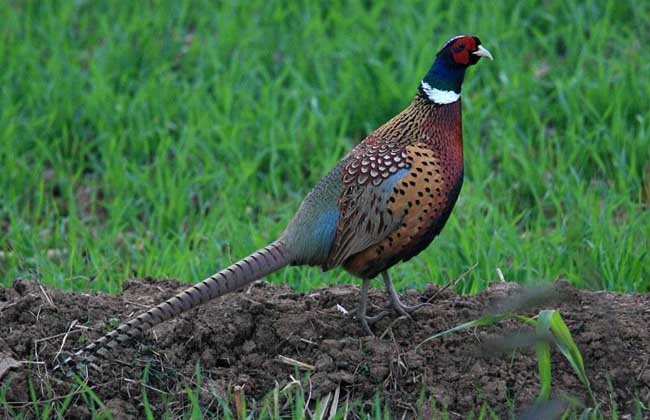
(262, 263)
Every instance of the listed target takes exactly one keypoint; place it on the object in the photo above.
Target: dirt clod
(237, 340)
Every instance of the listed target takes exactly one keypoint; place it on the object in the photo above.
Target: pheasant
(382, 204)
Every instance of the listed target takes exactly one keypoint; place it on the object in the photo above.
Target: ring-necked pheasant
(382, 204)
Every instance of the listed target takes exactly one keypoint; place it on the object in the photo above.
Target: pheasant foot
(394, 301)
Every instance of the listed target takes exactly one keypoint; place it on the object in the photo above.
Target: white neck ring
(439, 96)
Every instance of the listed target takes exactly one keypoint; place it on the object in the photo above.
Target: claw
(367, 321)
(393, 299)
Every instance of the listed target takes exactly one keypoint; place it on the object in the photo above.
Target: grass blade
(566, 345)
(481, 322)
(543, 350)
(148, 412)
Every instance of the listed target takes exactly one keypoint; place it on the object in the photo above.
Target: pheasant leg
(364, 319)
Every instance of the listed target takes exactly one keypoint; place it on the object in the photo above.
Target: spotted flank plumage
(421, 149)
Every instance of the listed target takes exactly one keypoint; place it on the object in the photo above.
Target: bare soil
(240, 340)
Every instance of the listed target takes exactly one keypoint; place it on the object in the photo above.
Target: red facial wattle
(462, 48)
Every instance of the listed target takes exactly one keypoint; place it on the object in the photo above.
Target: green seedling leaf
(90, 395)
(61, 411)
(549, 328)
(566, 345)
(276, 401)
(32, 396)
(486, 320)
(227, 412)
(543, 350)
(148, 412)
(193, 397)
(299, 404)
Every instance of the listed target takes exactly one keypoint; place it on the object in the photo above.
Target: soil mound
(254, 338)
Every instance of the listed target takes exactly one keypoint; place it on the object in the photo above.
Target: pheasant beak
(483, 52)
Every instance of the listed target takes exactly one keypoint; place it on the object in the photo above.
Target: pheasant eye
(459, 48)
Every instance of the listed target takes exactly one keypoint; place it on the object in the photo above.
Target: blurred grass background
(168, 139)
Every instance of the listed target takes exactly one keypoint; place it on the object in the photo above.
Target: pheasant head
(442, 83)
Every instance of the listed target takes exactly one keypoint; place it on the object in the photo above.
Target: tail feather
(257, 265)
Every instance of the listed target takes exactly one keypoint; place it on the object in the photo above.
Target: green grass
(168, 139)
(293, 401)
(280, 403)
